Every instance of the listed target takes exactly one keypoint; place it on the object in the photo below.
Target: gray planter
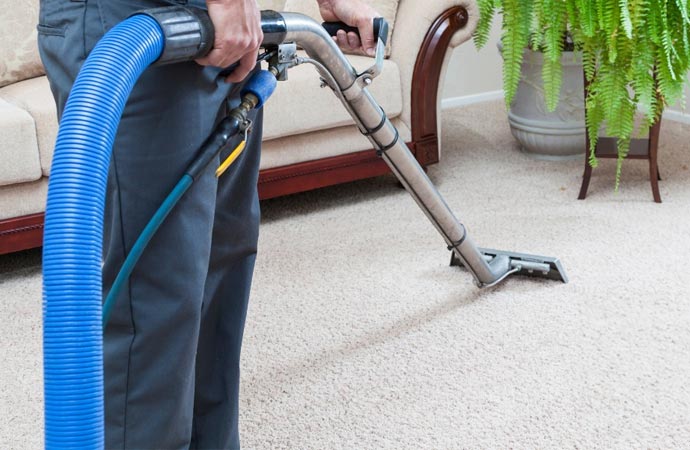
(549, 135)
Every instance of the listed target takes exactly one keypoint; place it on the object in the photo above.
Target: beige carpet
(360, 336)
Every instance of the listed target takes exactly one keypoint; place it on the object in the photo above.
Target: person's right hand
(238, 36)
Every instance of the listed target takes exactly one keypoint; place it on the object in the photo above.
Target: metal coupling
(188, 32)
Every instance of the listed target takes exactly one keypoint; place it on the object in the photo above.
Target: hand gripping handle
(380, 29)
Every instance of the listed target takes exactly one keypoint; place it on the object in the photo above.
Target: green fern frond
(623, 149)
(487, 9)
(552, 74)
(626, 20)
(554, 28)
(589, 59)
(682, 6)
(670, 89)
(667, 41)
(571, 11)
(516, 20)
(601, 7)
(594, 119)
(611, 14)
(643, 81)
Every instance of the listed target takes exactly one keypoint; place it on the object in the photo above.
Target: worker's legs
(235, 235)
(151, 341)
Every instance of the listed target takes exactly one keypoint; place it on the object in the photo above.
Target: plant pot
(556, 135)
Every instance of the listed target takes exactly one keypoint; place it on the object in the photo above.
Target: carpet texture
(360, 335)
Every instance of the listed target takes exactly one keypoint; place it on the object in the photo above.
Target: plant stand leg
(586, 177)
(654, 174)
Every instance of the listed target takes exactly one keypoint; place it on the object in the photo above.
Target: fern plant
(636, 54)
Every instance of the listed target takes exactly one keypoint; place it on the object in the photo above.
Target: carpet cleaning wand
(489, 267)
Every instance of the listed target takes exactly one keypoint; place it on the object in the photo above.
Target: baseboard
(465, 100)
(455, 102)
(677, 116)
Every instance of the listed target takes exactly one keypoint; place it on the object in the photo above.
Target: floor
(360, 335)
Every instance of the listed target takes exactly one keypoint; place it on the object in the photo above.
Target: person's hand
(355, 13)
(238, 35)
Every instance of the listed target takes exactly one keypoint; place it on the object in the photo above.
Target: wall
(474, 75)
(677, 112)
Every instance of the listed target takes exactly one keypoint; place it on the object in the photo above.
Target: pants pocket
(94, 25)
(57, 17)
(48, 30)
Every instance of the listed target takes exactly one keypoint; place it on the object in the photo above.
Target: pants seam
(131, 308)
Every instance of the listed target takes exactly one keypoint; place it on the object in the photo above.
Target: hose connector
(188, 32)
(259, 88)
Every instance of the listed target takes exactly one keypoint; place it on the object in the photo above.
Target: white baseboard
(465, 100)
(677, 116)
(454, 102)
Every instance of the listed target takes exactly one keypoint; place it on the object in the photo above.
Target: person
(172, 345)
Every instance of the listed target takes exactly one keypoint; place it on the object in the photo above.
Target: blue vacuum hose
(73, 238)
(72, 245)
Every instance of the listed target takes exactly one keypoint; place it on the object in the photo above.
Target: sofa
(309, 140)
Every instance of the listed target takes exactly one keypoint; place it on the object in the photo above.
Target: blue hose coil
(72, 245)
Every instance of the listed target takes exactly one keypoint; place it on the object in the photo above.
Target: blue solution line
(141, 243)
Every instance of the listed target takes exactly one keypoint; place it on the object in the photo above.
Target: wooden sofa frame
(26, 232)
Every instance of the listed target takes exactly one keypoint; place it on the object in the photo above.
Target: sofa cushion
(19, 58)
(34, 96)
(18, 146)
(300, 106)
(275, 5)
(289, 112)
(23, 199)
(387, 8)
(319, 144)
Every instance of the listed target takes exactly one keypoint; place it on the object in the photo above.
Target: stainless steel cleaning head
(520, 264)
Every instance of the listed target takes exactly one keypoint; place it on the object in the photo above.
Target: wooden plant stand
(645, 148)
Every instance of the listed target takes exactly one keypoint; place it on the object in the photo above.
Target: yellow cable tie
(231, 159)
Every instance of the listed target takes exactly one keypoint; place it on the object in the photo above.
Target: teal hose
(260, 87)
(141, 243)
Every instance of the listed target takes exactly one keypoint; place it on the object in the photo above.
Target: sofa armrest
(424, 31)
(414, 19)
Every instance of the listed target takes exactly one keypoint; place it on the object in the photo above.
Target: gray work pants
(172, 346)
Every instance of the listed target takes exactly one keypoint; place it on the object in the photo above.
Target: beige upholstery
(23, 199)
(18, 146)
(19, 58)
(275, 5)
(319, 144)
(299, 106)
(34, 96)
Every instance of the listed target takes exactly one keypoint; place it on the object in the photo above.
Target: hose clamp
(188, 32)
